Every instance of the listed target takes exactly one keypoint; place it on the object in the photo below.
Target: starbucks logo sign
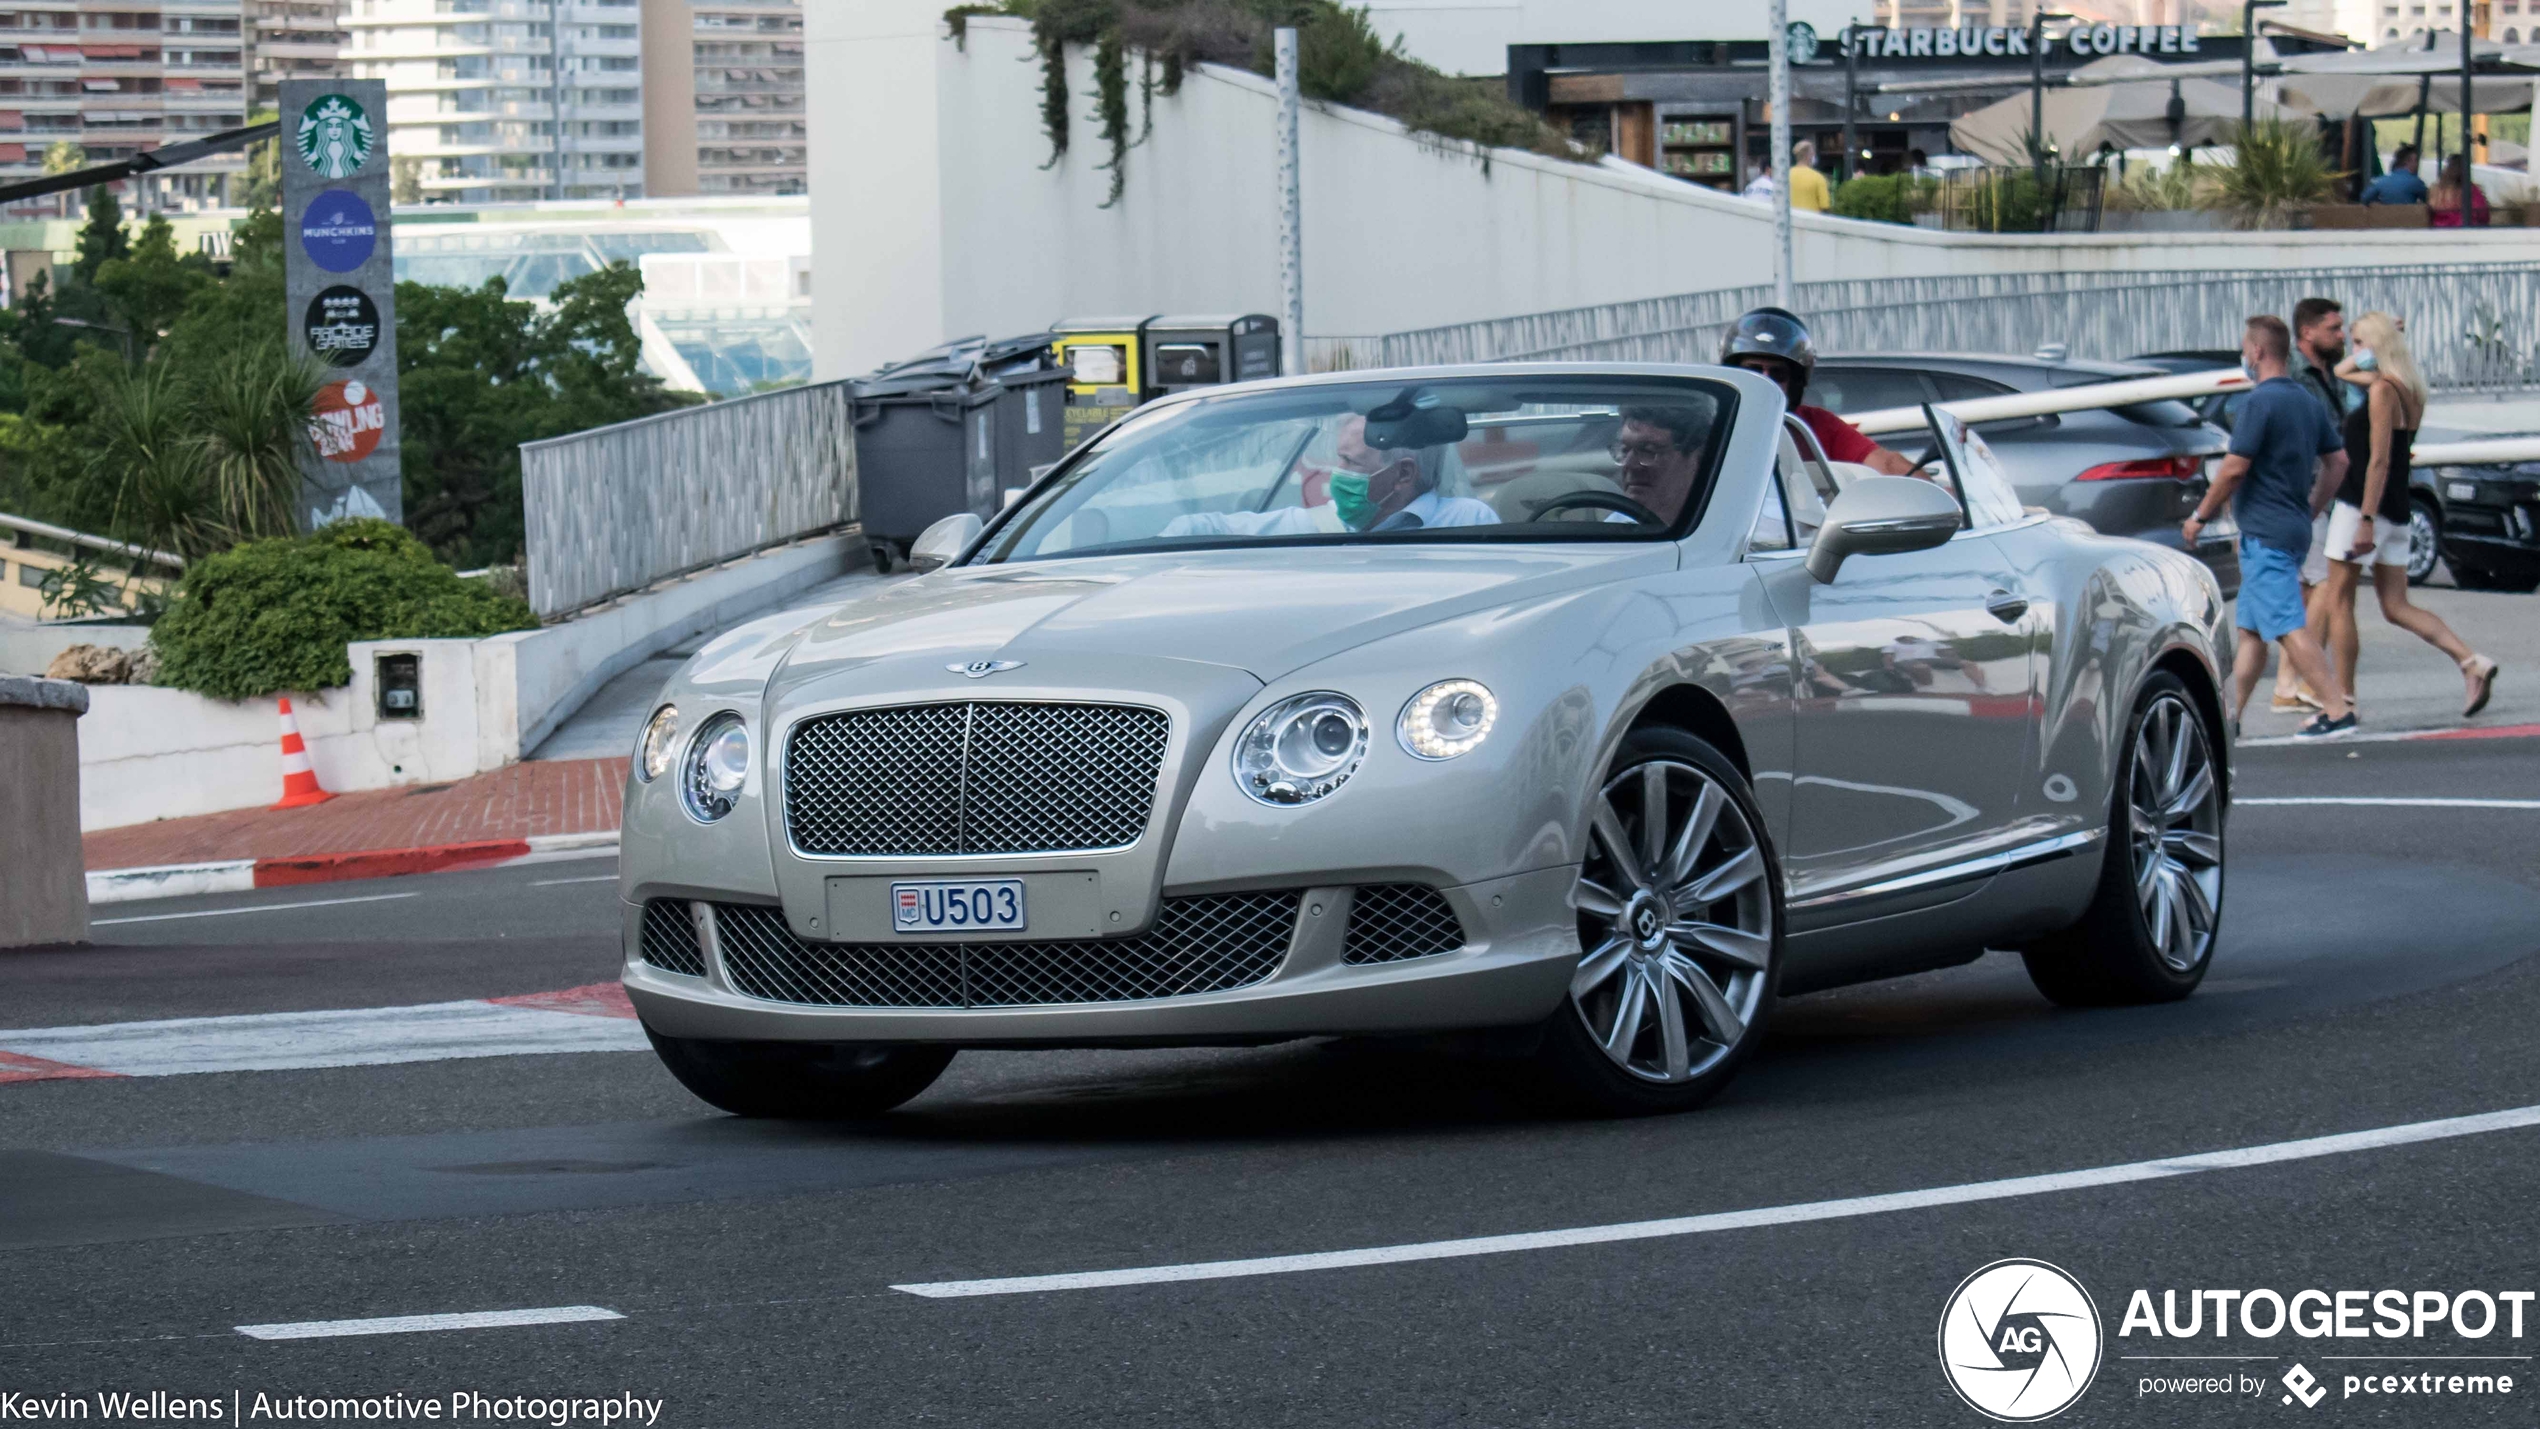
(335, 136)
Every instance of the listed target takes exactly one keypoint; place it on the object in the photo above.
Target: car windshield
(1552, 458)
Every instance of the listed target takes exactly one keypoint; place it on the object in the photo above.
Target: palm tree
(199, 466)
(147, 456)
(252, 422)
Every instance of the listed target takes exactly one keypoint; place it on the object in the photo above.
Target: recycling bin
(953, 430)
(1187, 352)
(1106, 363)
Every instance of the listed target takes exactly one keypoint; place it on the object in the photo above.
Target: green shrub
(1884, 198)
(275, 615)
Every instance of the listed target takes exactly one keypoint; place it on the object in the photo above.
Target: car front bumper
(1521, 946)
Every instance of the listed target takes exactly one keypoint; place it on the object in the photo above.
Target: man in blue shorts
(2286, 460)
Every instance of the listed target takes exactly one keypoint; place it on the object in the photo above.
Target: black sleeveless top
(2394, 492)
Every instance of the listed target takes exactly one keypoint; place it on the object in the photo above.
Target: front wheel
(2149, 933)
(800, 1081)
(1680, 911)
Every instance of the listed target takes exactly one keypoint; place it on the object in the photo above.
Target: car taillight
(2175, 468)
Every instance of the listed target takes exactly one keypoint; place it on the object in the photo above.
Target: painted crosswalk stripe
(596, 1018)
(417, 1324)
(2236, 1159)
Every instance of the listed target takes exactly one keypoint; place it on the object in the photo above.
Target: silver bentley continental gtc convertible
(1585, 703)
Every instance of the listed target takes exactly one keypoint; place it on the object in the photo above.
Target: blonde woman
(2368, 525)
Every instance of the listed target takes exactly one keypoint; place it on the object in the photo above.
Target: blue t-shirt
(2284, 430)
(2396, 186)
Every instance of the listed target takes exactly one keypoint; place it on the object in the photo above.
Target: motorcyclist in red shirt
(1775, 343)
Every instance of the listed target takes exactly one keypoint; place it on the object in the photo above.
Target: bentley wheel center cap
(1646, 921)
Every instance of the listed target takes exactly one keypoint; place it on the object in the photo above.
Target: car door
(1913, 724)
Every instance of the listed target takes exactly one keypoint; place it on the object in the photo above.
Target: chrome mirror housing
(1883, 515)
(942, 543)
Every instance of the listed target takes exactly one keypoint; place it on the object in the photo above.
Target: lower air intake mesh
(1389, 922)
(670, 938)
(1197, 945)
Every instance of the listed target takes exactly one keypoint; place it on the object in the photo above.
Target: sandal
(2482, 674)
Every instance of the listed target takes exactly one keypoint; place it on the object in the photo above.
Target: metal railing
(2474, 326)
(615, 509)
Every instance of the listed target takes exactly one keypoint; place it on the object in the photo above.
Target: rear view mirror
(942, 543)
(1883, 515)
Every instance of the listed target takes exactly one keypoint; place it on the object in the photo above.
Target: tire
(2149, 933)
(1681, 968)
(800, 1081)
(2425, 541)
(2478, 578)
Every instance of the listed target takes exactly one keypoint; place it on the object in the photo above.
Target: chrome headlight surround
(658, 745)
(1449, 718)
(716, 766)
(1301, 749)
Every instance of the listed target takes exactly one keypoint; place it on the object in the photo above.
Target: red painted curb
(384, 862)
(2502, 731)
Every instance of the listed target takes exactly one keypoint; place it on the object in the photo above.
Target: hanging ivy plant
(1341, 61)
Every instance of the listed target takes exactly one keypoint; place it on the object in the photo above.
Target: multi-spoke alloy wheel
(2177, 833)
(2148, 934)
(1675, 906)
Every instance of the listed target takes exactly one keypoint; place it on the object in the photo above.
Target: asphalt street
(2376, 971)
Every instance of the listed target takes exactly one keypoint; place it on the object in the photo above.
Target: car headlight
(655, 750)
(1301, 748)
(718, 764)
(1447, 719)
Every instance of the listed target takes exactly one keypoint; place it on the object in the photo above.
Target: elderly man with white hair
(1372, 489)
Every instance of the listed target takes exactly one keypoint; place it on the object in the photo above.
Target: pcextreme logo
(2019, 1340)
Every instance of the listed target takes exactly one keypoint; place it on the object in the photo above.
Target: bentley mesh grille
(1197, 945)
(670, 938)
(1389, 922)
(980, 777)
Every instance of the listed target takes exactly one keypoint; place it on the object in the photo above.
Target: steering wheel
(1598, 501)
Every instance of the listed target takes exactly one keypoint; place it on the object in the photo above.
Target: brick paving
(560, 796)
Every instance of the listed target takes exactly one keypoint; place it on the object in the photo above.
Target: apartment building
(495, 101)
(99, 81)
(290, 39)
(723, 97)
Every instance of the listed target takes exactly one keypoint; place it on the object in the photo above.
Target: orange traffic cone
(299, 780)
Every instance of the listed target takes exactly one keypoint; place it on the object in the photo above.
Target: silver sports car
(1585, 703)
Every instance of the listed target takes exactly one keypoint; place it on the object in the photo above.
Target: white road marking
(560, 882)
(413, 1324)
(251, 908)
(2361, 803)
(2018, 1186)
(287, 1041)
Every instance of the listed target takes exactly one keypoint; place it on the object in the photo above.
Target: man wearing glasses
(1775, 344)
(1659, 455)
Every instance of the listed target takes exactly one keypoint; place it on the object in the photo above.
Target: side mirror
(942, 543)
(1880, 516)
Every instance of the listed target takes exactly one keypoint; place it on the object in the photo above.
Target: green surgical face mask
(1349, 497)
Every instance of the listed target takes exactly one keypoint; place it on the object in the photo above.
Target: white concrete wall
(933, 217)
(150, 753)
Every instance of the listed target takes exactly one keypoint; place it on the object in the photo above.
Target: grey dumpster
(953, 430)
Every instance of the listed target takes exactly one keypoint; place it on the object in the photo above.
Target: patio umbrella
(2127, 103)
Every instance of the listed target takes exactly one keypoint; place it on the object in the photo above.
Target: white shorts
(2390, 538)
(2315, 564)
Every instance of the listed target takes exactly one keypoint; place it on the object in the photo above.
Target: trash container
(1106, 361)
(952, 430)
(1187, 352)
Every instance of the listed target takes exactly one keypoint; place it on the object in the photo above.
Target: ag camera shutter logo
(2019, 1340)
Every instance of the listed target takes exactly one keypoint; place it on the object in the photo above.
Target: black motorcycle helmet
(1776, 333)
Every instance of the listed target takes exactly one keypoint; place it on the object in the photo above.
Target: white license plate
(957, 905)
(2460, 491)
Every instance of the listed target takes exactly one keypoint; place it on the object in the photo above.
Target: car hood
(1264, 611)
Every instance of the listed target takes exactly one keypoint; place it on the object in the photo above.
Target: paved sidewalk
(562, 796)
